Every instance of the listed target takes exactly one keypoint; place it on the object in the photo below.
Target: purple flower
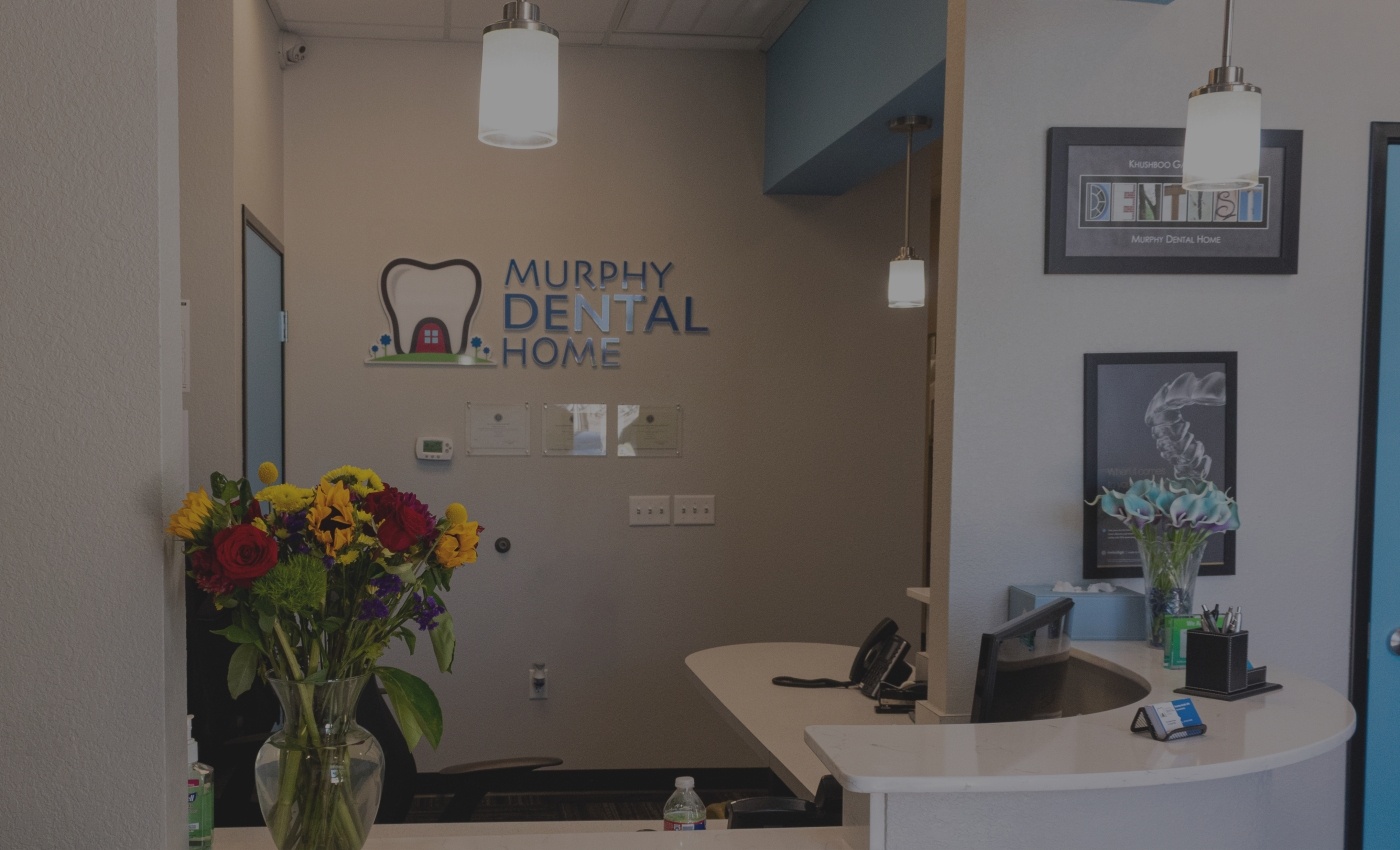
(373, 609)
(425, 612)
(387, 585)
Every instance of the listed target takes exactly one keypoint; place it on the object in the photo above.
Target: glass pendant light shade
(519, 81)
(907, 283)
(1222, 141)
(1222, 126)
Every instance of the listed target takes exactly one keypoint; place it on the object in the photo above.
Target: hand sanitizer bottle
(200, 791)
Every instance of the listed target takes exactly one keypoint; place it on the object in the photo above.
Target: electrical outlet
(695, 510)
(539, 680)
(649, 510)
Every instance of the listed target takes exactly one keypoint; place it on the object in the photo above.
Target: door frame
(250, 220)
(1383, 135)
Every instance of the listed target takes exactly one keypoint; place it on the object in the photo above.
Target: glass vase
(320, 775)
(1171, 559)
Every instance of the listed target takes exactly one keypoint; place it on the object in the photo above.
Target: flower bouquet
(318, 584)
(1171, 520)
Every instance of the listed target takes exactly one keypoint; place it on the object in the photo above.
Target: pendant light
(908, 281)
(519, 80)
(1222, 127)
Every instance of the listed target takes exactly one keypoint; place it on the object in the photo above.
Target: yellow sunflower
(285, 498)
(190, 518)
(362, 481)
(457, 544)
(331, 518)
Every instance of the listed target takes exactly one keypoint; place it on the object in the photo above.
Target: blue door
(1373, 816)
(264, 334)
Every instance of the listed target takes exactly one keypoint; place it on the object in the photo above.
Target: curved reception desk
(1083, 781)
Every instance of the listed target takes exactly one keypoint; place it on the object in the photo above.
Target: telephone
(878, 662)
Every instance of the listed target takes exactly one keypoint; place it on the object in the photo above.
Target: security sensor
(293, 50)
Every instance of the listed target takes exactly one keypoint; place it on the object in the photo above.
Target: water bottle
(684, 809)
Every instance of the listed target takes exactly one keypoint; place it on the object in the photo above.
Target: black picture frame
(1083, 159)
(1120, 443)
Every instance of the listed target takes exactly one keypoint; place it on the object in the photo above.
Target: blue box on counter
(1096, 616)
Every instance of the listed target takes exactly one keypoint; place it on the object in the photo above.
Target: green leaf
(237, 634)
(333, 624)
(242, 667)
(409, 638)
(444, 642)
(265, 623)
(217, 483)
(415, 705)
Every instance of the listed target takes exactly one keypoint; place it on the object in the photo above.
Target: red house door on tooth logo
(430, 337)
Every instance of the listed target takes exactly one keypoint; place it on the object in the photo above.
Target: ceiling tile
(757, 16)
(425, 13)
(682, 15)
(644, 15)
(386, 31)
(718, 15)
(675, 41)
(587, 16)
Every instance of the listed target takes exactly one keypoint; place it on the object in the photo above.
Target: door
(264, 335)
(1373, 818)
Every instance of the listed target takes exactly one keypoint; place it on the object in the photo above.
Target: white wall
(1013, 507)
(231, 156)
(802, 407)
(93, 448)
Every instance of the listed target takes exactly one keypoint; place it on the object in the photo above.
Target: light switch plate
(649, 510)
(695, 510)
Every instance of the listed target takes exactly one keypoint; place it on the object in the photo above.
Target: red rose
(244, 553)
(403, 520)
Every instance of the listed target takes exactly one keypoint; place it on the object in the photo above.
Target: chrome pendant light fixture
(908, 280)
(519, 80)
(1223, 127)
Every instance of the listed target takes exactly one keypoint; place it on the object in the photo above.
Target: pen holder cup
(1217, 662)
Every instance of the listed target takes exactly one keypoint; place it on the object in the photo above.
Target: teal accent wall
(836, 77)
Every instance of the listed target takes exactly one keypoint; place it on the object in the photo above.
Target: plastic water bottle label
(678, 826)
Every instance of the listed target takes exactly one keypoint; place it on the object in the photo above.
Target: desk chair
(467, 783)
(777, 812)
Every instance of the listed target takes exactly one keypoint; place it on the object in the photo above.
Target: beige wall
(802, 407)
(93, 448)
(1013, 498)
(231, 156)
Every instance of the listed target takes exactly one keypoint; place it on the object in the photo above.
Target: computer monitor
(1022, 666)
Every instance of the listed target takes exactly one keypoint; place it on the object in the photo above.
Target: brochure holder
(1169, 721)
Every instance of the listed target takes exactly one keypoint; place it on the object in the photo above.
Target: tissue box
(1096, 616)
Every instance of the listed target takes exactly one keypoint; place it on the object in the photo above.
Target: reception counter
(1066, 782)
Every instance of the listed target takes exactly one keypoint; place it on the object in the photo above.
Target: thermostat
(434, 448)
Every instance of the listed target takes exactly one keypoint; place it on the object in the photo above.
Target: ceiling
(696, 24)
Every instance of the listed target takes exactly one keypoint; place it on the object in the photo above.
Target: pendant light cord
(908, 172)
(1229, 33)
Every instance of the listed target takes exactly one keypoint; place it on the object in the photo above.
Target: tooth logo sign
(430, 308)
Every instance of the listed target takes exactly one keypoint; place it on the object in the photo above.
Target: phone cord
(791, 682)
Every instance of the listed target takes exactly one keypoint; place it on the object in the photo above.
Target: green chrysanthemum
(297, 584)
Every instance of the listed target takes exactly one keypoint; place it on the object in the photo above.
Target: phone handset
(879, 661)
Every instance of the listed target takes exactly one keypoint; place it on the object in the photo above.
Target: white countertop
(574, 835)
(1093, 751)
(737, 680)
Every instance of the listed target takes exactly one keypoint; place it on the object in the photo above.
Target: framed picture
(1155, 415)
(1114, 204)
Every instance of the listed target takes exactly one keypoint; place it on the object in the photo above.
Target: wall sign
(648, 430)
(1115, 205)
(580, 430)
(552, 313)
(1157, 415)
(498, 429)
